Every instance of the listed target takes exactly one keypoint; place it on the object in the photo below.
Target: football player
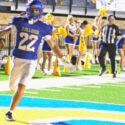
(30, 31)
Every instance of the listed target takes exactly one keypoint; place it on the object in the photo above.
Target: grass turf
(3, 76)
(106, 93)
(93, 71)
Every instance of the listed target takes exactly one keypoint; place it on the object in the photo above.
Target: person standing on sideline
(95, 37)
(81, 47)
(71, 37)
(108, 37)
(30, 31)
(46, 49)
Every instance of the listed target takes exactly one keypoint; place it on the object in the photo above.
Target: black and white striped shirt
(109, 34)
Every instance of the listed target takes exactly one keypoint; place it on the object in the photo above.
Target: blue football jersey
(28, 37)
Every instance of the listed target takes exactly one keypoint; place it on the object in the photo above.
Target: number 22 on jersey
(29, 46)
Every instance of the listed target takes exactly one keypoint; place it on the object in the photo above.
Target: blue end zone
(53, 103)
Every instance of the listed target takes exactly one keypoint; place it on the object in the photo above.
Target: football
(2, 43)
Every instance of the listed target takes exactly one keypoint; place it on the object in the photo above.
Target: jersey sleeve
(48, 33)
(14, 21)
(49, 30)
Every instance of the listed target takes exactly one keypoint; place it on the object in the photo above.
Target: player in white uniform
(30, 32)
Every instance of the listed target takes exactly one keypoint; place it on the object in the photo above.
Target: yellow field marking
(22, 115)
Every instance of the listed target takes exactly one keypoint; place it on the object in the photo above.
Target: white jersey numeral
(25, 37)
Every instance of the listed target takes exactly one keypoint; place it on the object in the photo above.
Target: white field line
(79, 88)
(92, 86)
(116, 85)
(50, 90)
(68, 87)
(30, 92)
(70, 109)
(68, 81)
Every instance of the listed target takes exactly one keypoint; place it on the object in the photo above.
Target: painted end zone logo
(77, 122)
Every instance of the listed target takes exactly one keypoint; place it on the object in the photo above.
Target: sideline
(68, 81)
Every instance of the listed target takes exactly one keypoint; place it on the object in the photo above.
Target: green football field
(93, 71)
(107, 93)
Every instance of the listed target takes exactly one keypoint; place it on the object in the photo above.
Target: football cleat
(9, 117)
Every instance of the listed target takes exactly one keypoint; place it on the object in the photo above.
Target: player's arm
(39, 53)
(101, 34)
(6, 30)
(99, 22)
(118, 33)
(77, 33)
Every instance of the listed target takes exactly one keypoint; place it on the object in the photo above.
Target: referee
(108, 35)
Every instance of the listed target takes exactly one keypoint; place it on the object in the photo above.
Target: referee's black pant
(111, 49)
